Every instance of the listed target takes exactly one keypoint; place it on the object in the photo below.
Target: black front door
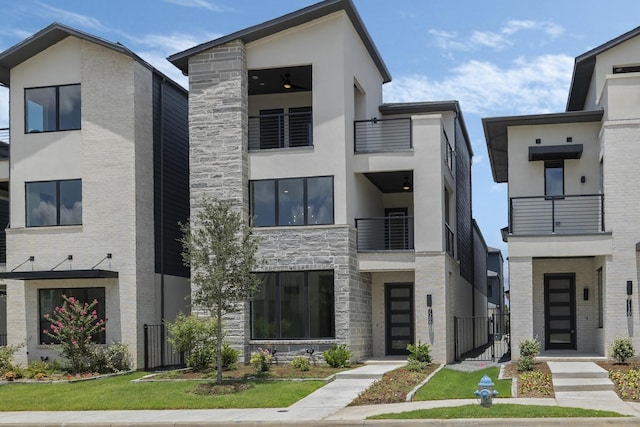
(399, 317)
(560, 311)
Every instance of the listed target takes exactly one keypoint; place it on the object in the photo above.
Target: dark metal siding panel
(463, 205)
(171, 175)
(4, 221)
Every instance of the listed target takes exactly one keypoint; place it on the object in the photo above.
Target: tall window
(53, 203)
(292, 201)
(554, 178)
(49, 299)
(600, 301)
(52, 108)
(294, 305)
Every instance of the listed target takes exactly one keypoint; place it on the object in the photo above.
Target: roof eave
(284, 22)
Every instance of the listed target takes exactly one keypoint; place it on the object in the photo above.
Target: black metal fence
(158, 352)
(385, 233)
(482, 338)
(3, 340)
(382, 135)
(567, 214)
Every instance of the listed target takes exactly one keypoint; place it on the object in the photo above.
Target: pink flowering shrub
(73, 326)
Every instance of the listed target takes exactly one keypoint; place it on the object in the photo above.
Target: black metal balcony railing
(280, 131)
(3, 340)
(382, 135)
(4, 135)
(450, 242)
(569, 214)
(448, 153)
(385, 233)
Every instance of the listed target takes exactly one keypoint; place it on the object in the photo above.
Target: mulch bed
(538, 385)
(283, 371)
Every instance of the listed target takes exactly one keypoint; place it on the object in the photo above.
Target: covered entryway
(399, 329)
(560, 311)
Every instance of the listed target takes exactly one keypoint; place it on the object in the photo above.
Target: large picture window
(52, 108)
(294, 305)
(292, 201)
(49, 299)
(53, 203)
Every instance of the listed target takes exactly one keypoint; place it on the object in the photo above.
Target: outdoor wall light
(585, 294)
(406, 185)
(629, 287)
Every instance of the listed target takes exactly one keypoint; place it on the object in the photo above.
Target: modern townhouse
(363, 208)
(573, 228)
(97, 182)
(495, 281)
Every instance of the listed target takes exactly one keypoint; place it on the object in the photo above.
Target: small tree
(220, 249)
(73, 326)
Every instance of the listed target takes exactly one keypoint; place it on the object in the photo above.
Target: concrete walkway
(327, 406)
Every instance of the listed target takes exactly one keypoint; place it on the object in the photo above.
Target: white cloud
(549, 28)
(203, 4)
(451, 40)
(172, 43)
(159, 61)
(489, 39)
(528, 85)
(69, 18)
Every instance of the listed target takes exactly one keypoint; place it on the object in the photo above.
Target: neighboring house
(98, 183)
(495, 281)
(573, 229)
(363, 209)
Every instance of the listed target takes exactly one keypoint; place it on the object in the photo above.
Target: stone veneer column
(218, 141)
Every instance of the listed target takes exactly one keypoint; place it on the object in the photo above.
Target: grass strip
(453, 384)
(119, 393)
(502, 410)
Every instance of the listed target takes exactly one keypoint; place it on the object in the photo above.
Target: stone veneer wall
(316, 248)
(218, 128)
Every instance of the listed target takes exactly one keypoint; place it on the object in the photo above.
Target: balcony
(385, 233)
(279, 130)
(547, 215)
(377, 135)
(4, 135)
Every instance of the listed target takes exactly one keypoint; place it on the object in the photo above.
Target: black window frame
(57, 90)
(305, 196)
(58, 204)
(100, 338)
(553, 164)
(307, 305)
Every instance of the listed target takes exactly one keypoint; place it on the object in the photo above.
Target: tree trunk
(219, 345)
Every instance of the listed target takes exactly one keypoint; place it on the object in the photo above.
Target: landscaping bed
(625, 377)
(393, 387)
(535, 383)
(284, 371)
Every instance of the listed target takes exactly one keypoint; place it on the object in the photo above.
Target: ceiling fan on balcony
(287, 84)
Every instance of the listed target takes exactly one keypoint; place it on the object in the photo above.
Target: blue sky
(497, 57)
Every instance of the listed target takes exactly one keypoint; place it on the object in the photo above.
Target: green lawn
(452, 384)
(497, 411)
(120, 393)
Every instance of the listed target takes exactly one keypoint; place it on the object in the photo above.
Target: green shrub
(337, 356)
(109, 359)
(301, 363)
(529, 349)
(622, 349)
(526, 363)
(419, 352)
(414, 365)
(39, 370)
(229, 357)
(196, 337)
(6, 357)
(261, 360)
